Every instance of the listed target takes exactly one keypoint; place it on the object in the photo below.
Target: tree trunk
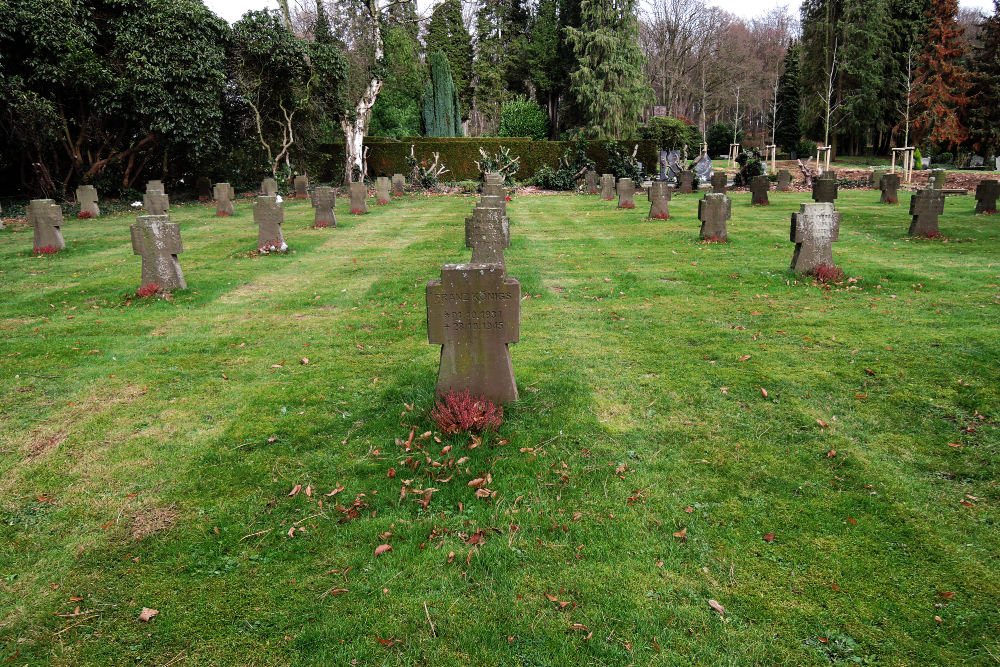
(356, 126)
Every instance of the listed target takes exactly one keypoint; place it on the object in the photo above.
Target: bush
(574, 161)
(671, 134)
(719, 136)
(751, 164)
(805, 148)
(918, 162)
(501, 163)
(523, 118)
(943, 158)
(458, 412)
(621, 163)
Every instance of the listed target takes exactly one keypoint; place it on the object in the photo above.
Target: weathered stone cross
(814, 228)
(158, 241)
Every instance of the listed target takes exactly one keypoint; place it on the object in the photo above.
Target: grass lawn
(680, 403)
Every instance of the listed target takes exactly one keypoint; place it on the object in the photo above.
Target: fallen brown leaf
(382, 548)
(717, 607)
(769, 537)
(147, 614)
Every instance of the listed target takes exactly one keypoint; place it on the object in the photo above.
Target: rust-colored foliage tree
(942, 83)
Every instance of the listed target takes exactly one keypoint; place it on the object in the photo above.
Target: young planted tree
(441, 111)
(984, 94)
(940, 88)
(608, 81)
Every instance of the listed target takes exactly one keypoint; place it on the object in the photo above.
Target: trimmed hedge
(388, 156)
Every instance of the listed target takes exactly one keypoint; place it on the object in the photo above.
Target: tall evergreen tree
(863, 63)
(446, 32)
(441, 112)
(984, 95)
(397, 111)
(787, 131)
(543, 58)
(941, 85)
(500, 69)
(608, 80)
(570, 111)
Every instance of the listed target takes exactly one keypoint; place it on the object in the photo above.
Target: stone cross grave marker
(659, 198)
(302, 186)
(474, 314)
(398, 185)
(86, 195)
(607, 186)
(45, 216)
(824, 189)
(591, 179)
(720, 183)
(685, 181)
(759, 185)
(784, 180)
(382, 190)
(493, 186)
(714, 210)
(925, 207)
(269, 187)
(156, 201)
(486, 235)
(875, 180)
(158, 241)
(493, 201)
(268, 213)
(359, 199)
(987, 193)
(224, 195)
(626, 193)
(155, 186)
(814, 228)
(889, 185)
(937, 178)
(204, 187)
(323, 200)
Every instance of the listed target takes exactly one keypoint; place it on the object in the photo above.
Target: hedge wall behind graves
(388, 156)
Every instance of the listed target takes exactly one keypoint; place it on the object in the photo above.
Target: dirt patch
(153, 520)
(40, 446)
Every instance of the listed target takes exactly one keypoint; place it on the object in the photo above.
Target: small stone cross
(659, 198)
(607, 186)
(224, 194)
(784, 180)
(398, 185)
(713, 211)
(269, 187)
(45, 216)
(814, 228)
(474, 313)
(925, 207)
(382, 190)
(720, 183)
(824, 189)
(269, 214)
(626, 193)
(759, 185)
(987, 193)
(323, 200)
(158, 241)
(86, 195)
(302, 186)
(591, 180)
(487, 233)
(359, 199)
(686, 181)
(889, 185)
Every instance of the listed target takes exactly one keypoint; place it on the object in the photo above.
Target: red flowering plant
(321, 225)
(147, 290)
(825, 274)
(456, 412)
(627, 204)
(45, 250)
(714, 239)
(84, 215)
(660, 216)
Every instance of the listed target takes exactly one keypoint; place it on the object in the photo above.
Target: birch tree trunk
(355, 124)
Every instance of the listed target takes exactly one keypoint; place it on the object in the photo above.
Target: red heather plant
(321, 225)
(382, 202)
(45, 250)
(148, 290)
(357, 211)
(84, 215)
(714, 239)
(661, 216)
(458, 412)
(627, 205)
(827, 274)
(221, 214)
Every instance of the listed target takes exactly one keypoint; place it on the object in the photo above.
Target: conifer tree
(608, 79)
(942, 83)
(441, 112)
(787, 132)
(446, 32)
(543, 58)
(984, 107)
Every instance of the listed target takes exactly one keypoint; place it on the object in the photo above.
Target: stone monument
(474, 314)
(86, 196)
(626, 193)
(703, 168)
(204, 187)
(875, 180)
(889, 185)
(824, 188)
(156, 201)
(224, 196)
(759, 185)
(398, 185)
(714, 210)
(685, 182)
(359, 199)
(301, 186)
(607, 187)
(937, 179)
(925, 207)
(269, 187)
(45, 216)
(158, 241)
(268, 213)
(814, 228)
(987, 193)
(487, 233)
(323, 200)
(382, 190)
(720, 183)
(784, 180)
(591, 179)
(659, 198)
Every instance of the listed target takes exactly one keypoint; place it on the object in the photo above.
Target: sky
(232, 10)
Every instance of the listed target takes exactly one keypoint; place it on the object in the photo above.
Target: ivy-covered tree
(397, 111)
(446, 32)
(984, 95)
(789, 99)
(942, 83)
(441, 111)
(608, 79)
(92, 90)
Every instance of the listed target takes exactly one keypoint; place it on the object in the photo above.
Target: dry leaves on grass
(382, 549)
(147, 614)
(153, 520)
